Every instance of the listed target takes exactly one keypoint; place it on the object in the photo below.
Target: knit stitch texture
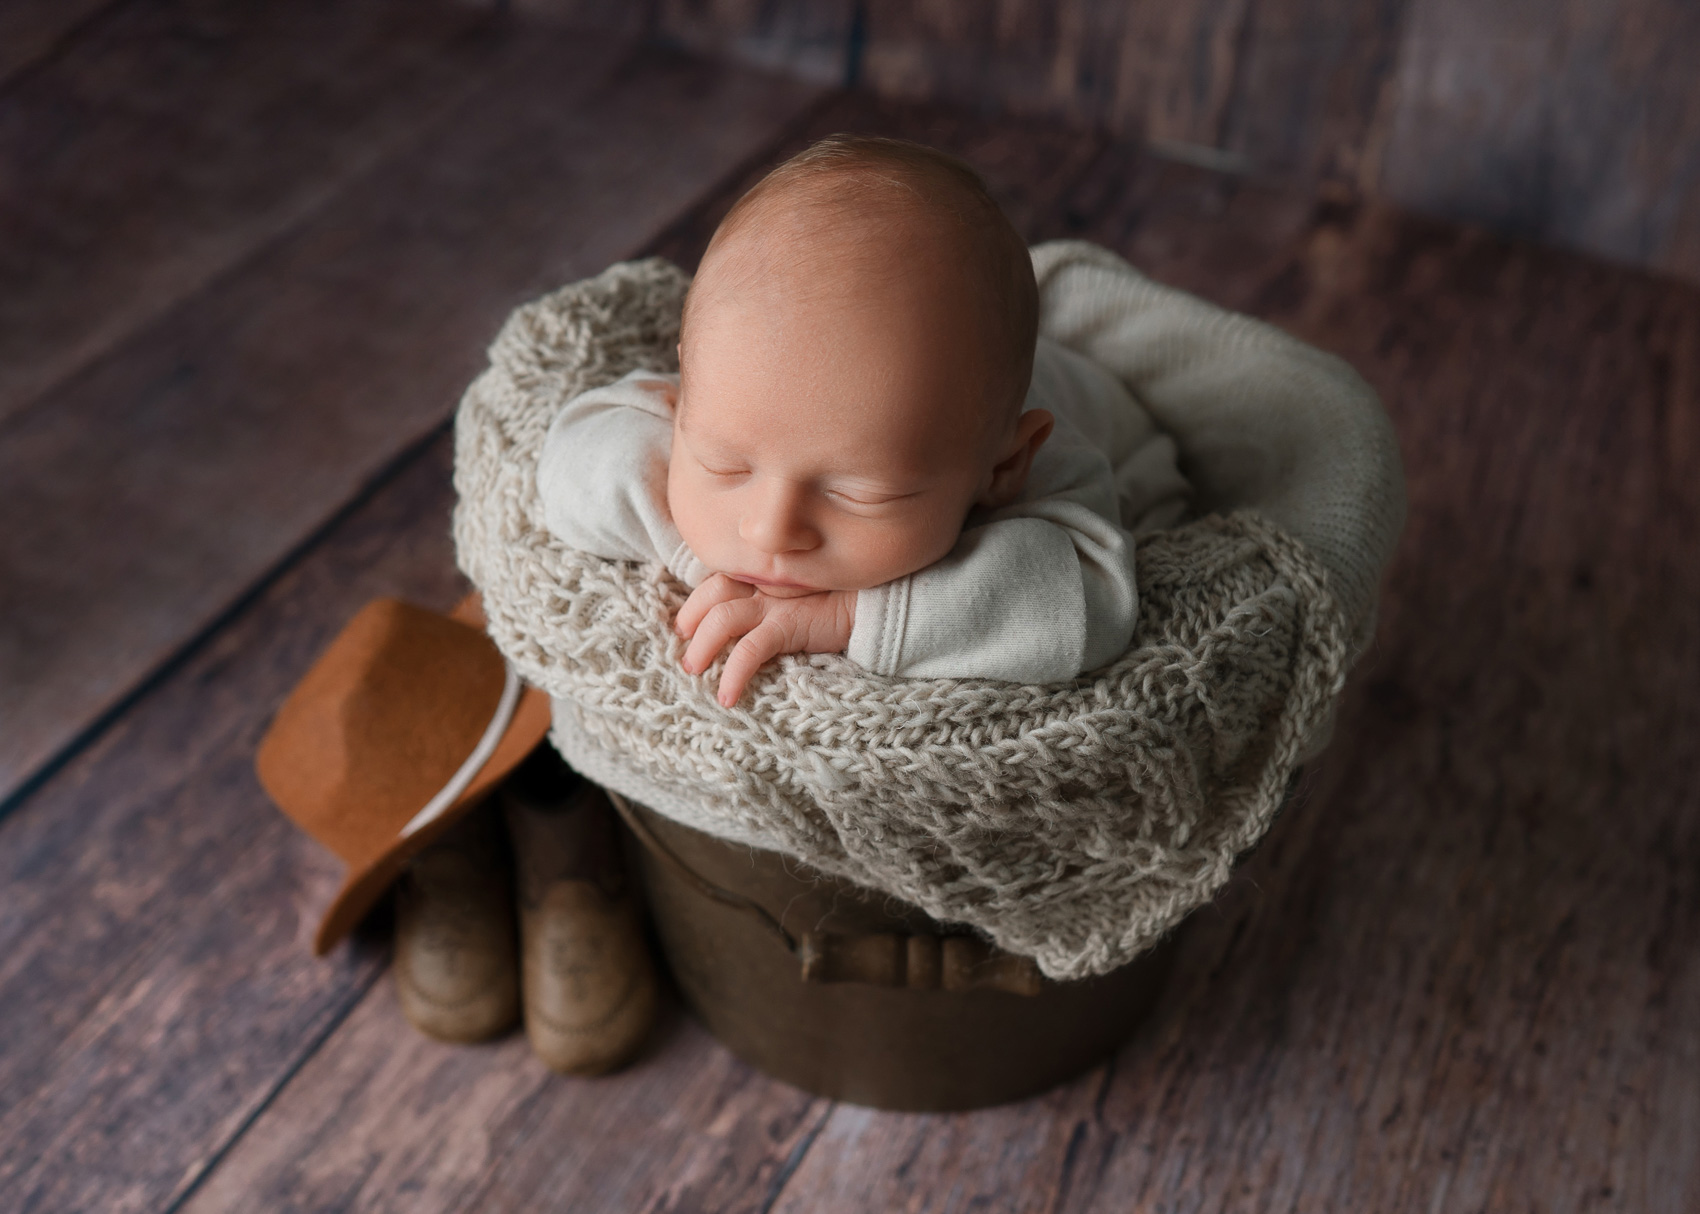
(1075, 822)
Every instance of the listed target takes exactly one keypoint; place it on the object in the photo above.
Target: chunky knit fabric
(1075, 822)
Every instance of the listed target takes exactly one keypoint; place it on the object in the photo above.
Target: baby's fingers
(722, 624)
(766, 640)
(716, 589)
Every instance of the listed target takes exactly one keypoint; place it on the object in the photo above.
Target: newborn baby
(868, 449)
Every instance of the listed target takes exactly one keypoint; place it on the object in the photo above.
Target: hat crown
(380, 723)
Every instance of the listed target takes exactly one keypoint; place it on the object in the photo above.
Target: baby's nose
(777, 521)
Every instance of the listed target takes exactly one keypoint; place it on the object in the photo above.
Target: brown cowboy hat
(404, 723)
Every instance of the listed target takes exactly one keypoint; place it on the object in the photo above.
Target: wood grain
(811, 39)
(176, 138)
(1577, 123)
(1219, 235)
(381, 1118)
(1283, 86)
(1461, 974)
(1510, 788)
(34, 30)
(1015, 1159)
(182, 468)
(156, 967)
(1165, 71)
(1309, 85)
(160, 990)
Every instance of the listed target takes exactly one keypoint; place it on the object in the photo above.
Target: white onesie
(1037, 591)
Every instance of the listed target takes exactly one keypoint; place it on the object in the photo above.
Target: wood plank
(1516, 787)
(1310, 81)
(34, 30)
(155, 950)
(1163, 71)
(160, 990)
(382, 1118)
(1286, 86)
(1015, 1159)
(1460, 974)
(1218, 235)
(1577, 123)
(185, 466)
(158, 981)
(811, 39)
(173, 139)
(808, 39)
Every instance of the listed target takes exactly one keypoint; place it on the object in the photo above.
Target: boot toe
(459, 993)
(456, 947)
(590, 987)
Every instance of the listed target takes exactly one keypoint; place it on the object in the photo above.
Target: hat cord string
(450, 792)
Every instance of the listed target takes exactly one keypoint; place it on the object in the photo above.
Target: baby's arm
(1033, 593)
(1039, 593)
(602, 476)
(1045, 588)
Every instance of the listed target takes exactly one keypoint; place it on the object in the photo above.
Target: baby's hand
(722, 610)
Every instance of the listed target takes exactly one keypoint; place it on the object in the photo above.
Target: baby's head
(855, 352)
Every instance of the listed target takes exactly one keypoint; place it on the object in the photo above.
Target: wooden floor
(249, 254)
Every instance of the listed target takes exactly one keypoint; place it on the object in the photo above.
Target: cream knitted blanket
(1074, 822)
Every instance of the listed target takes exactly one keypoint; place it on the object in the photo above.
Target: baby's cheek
(697, 514)
(681, 501)
(893, 548)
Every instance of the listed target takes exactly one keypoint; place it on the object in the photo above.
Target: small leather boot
(588, 981)
(456, 962)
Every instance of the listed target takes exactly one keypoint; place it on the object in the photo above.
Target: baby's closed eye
(858, 497)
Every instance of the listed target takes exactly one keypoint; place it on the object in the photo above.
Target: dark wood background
(250, 253)
(1570, 121)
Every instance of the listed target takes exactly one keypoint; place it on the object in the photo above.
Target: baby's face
(830, 435)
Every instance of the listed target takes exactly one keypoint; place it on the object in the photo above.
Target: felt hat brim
(390, 715)
(362, 889)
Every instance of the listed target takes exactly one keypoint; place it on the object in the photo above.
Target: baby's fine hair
(861, 172)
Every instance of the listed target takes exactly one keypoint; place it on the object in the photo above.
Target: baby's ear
(1009, 474)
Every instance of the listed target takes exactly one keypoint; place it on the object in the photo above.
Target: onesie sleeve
(1034, 593)
(602, 477)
